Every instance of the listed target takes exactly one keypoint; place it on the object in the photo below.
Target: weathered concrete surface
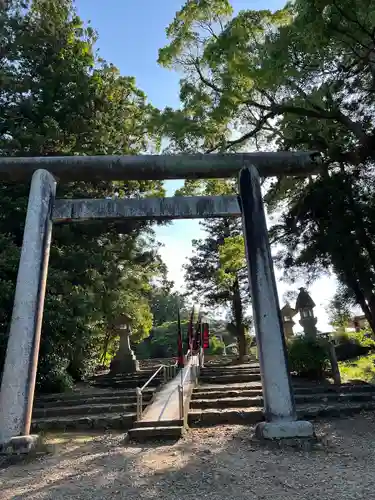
(159, 167)
(18, 382)
(278, 397)
(21, 445)
(178, 207)
(277, 390)
(285, 429)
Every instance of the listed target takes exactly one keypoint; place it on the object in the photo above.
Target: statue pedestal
(125, 360)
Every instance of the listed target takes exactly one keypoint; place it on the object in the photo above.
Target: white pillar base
(285, 429)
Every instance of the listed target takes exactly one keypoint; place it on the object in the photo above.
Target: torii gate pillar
(280, 413)
(21, 361)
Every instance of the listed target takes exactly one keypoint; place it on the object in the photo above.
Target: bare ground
(217, 463)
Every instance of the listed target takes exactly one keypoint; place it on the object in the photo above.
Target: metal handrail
(193, 369)
(169, 372)
(184, 377)
(151, 378)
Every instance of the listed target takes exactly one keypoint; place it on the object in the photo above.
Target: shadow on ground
(216, 463)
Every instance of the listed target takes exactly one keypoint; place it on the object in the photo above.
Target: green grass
(362, 368)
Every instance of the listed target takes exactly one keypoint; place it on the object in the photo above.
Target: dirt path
(220, 463)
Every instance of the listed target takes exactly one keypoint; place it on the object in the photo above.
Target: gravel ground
(216, 463)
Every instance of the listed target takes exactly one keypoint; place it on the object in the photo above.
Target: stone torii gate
(18, 382)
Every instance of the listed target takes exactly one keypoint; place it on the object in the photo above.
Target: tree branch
(204, 80)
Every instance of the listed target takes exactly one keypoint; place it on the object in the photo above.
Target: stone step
(340, 397)
(216, 390)
(251, 401)
(209, 417)
(218, 371)
(93, 393)
(229, 374)
(145, 375)
(233, 416)
(236, 402)
(84, 410)
(140, 374)
(74, 423)
(121, 383)
(244, 366)
(159, 423)
(141, 434)
(228, 379)
(204, 394)
(232, 387)
(336, 409)
(93, 400)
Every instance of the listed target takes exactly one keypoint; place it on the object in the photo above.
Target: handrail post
(139, 403)
(181, 401)
(165, 375)
(334, 364)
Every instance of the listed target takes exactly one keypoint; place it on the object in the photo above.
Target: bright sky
(130, 34)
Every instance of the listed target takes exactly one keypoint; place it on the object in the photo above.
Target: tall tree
(217, 272)
(298, 78)
(216, 278)
(57, 97)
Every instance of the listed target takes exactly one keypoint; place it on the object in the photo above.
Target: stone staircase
(105, 403)
(150, 430)
(233, 395)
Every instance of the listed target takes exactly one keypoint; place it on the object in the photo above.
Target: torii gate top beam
(159, 167)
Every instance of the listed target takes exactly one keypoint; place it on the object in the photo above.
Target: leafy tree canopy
(58, 97)
(298, 78)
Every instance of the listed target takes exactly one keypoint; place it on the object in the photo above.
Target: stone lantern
(305, 306)
(125, 360)
(287, 313)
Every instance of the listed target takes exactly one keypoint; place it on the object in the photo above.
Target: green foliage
(54, 380)
(339, 310)
(216, 347)
(217, 276)
(353, 344)
(308, 357)
(164, 306)
(57, 97)
(361, 368)
(302, 78)
(162, 342)
(364, 338)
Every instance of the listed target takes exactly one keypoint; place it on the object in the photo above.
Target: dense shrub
(54, 381)
(216, 346)
(354, 344)
(308, 357)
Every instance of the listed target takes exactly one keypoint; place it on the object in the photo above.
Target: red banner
(206, 336)
(180, 350)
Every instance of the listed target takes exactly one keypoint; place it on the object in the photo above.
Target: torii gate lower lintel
(18, 382)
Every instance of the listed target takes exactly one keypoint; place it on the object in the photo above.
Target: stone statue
(305, 306)
(125, 360)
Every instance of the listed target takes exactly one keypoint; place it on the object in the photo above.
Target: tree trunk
(367, 306)
(105, 347)
(238, 320)
(242, 345)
